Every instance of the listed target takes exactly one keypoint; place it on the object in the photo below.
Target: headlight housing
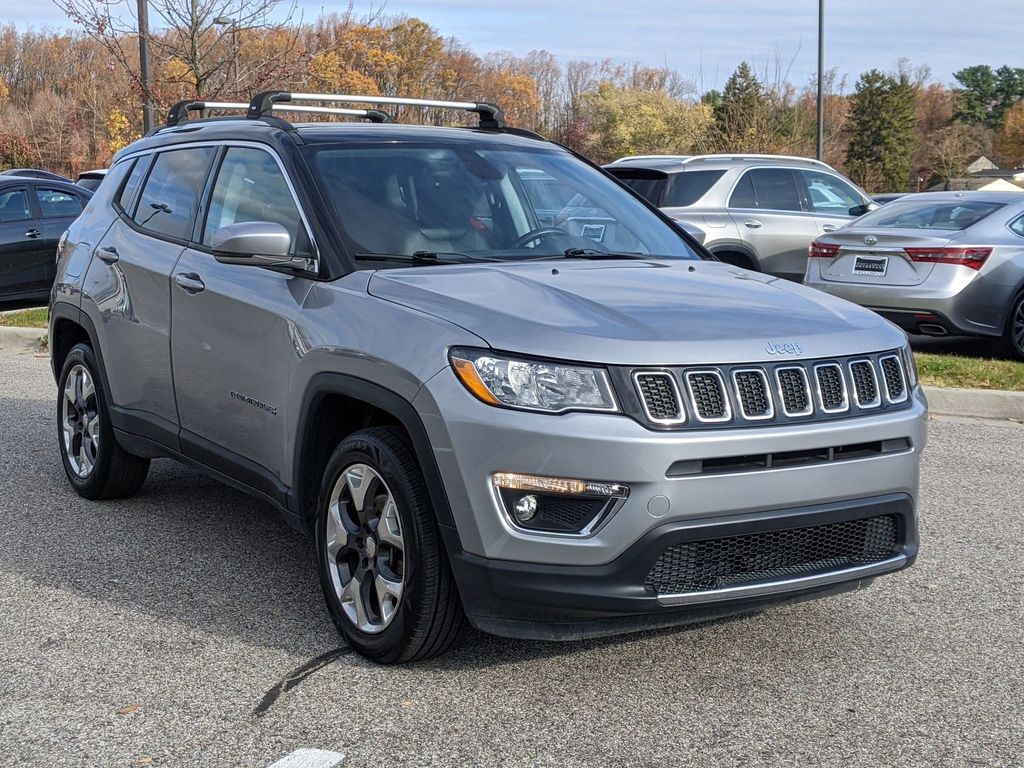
(909, 364)
(533, 385)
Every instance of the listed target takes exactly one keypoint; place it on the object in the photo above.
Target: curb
(975, 403)
(20, 338)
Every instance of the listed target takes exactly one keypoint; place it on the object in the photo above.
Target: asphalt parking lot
(185, 628)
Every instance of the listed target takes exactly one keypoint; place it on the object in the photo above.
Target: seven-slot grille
(708, 395)
(756, 558)
(660, 397)
(695, 398)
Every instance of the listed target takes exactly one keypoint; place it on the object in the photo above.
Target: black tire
(428, 618)
(111, 472)
(1011, 344)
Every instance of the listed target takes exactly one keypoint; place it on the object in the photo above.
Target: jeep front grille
(750, 559)
(765, 393)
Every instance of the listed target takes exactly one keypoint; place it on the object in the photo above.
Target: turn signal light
(967, 257)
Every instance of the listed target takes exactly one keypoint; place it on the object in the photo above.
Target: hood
(638, 312)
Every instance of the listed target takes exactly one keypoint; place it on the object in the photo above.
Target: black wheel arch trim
(327, 383)
(736, 248)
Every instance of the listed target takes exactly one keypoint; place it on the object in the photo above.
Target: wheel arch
(742, 250)
(335, 405)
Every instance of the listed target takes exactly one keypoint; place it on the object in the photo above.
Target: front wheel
(382, 565)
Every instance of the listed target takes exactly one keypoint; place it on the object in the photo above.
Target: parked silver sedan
(944, 263)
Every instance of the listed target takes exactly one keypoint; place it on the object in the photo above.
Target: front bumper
(552, 602)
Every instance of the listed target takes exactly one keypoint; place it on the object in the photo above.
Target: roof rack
(677, 158)
(180, 111)
(749, 156)
(263, 104)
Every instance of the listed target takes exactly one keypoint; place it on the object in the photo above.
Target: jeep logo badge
(787, 348)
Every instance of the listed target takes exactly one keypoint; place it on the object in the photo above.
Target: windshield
(445, 202)
(929, 214)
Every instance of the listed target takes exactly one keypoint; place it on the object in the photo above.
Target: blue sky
(705, 39)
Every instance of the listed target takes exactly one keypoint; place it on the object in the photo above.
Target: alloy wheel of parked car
(365, 549)
(383, 567)
(95, 463)
(1014, 337)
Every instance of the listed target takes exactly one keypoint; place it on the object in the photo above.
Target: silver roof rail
(180, 111)
(262, 104)
(750, 156)
(677, 158)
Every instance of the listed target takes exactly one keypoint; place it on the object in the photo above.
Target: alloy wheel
(80, 421)
(365, 548)
(1018, 326)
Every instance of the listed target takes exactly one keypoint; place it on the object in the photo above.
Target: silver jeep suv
(478, 414)
(759, 212)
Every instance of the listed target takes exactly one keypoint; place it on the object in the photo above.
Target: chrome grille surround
(861, 365)
(752, 384)
(893, 376)
(825, 390)
(785, 401)
(639, 377)
(697, 385)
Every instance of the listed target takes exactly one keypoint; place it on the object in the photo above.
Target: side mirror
(256, 243)
(860, 210)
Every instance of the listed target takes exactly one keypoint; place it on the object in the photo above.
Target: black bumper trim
(555, 602)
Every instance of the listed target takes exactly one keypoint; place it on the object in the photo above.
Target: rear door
(233, 345)
(58, 207)
(23, 253)
(128, 285)
(767, 208)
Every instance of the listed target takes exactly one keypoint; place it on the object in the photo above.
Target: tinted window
(743, 195)
(14, 206)
(1017, 226)
(929, 214)
(131, 186)
(648, 186)
(775, 189)
(56, 203)
(170, 197)
(688, 187)
(251, 187)
(829, 194)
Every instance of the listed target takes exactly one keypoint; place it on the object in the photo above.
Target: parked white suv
(756, 211)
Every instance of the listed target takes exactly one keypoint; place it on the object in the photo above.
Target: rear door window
(58, 203)
(170, 196)
(775, 189)
(688, 187)
(14, 206)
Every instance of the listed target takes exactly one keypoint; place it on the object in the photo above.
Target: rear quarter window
(688, 187)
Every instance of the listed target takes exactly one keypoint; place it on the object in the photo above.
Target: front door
(234, 344)
(22, 254)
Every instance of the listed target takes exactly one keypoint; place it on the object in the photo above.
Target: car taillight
(822, 250)
(967, 257)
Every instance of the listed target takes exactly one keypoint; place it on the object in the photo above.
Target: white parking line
(310, 758)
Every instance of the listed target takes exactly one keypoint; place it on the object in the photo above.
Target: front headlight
(909, 364)
(534, 385)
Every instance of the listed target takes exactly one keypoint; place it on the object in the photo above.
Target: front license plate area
(874, 266)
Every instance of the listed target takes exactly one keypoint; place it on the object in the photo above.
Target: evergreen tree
(742, 111)
(985, 94)
(881, 149)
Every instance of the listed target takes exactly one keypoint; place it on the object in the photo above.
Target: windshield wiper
(425, 257)
(591, 253)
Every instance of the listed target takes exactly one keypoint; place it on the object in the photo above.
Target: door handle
(829, 228)
(33, 233)
(190, 282)
(752, 223)
(107, 255)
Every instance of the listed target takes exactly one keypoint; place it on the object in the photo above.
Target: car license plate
(871, 265)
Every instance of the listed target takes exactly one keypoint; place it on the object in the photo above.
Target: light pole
(147, 91)
(820, 132)
(227, 21)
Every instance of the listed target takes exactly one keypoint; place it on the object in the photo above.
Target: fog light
(526, 508)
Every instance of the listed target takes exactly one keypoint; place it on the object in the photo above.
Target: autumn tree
(1009, 141)
(881, 148)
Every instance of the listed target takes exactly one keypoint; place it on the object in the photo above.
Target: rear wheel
(96, 466)
(1012, 342)
(382, 565)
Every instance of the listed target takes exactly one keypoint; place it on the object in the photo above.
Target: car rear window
(688, 187)
(950, 215)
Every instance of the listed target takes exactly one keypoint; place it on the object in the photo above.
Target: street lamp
(227, 21)
(147, 90)
(819, 152)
